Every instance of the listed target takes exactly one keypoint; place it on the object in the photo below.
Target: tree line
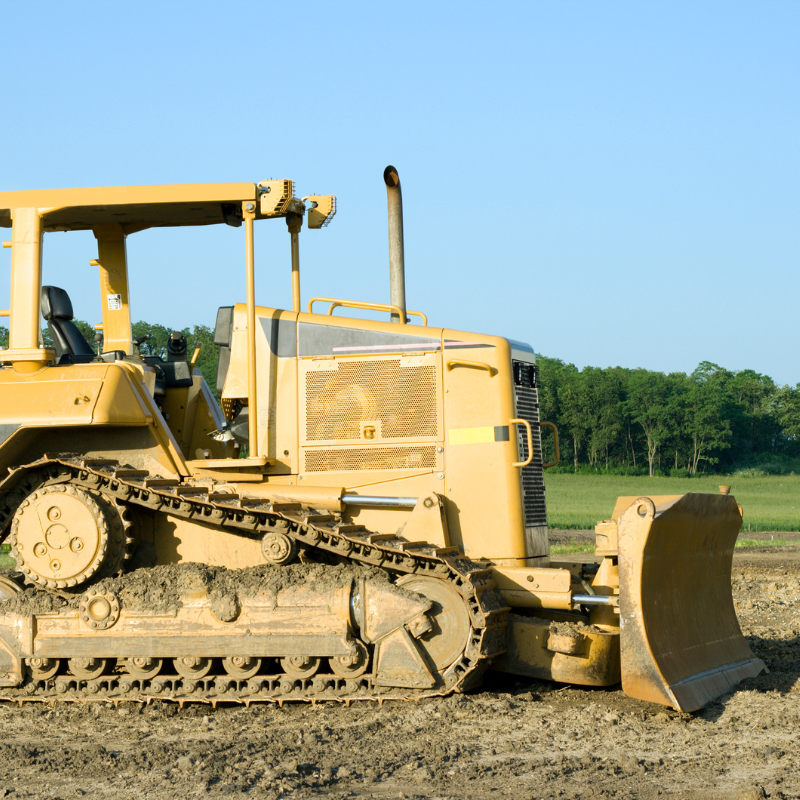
(629, 421)
(641, 421)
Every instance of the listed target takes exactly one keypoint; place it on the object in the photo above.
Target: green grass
(6, 562)
(571, 548)
(770, 503)
(779, 542)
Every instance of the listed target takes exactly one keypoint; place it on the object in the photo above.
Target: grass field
(770, 503)
(571, 548)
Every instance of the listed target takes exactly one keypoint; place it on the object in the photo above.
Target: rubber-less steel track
(316, 533)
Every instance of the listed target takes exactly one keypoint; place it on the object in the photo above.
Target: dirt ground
(512, 739)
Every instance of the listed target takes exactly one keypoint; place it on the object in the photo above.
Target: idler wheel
(194, 667)
(59, 537)
(8, 588)
(447, 638)
(353, 664)
(143, 666)
(43, 668)
(241, 667)
(88, 667)
(300, 666)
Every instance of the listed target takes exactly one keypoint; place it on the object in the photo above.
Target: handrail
(5, 312)
(418, 314)
(530, 442)
(336, 303)
(457, 362)
(555, 437)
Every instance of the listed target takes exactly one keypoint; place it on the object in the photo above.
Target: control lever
(138, 341)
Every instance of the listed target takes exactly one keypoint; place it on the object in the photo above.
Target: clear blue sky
(613, 182)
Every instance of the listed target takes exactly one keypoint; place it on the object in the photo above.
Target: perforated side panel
(527, 405)
(401, 398)
(358, 458)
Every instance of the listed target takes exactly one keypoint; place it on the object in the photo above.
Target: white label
(114, 302)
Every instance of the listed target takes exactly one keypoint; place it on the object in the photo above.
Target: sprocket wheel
(60, 536)
(120, 540)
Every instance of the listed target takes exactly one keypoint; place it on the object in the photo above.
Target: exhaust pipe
(397, 267)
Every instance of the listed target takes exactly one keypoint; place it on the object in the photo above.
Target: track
(322, 537)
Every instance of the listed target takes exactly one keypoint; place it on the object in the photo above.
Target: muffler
(397, 267)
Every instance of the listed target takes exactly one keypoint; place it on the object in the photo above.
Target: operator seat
(67, 339)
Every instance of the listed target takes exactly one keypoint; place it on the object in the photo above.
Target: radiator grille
(358, 458)
(401, 398)
(527, 407)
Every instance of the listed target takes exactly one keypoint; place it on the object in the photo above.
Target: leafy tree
(677, 442)
(574, 410)
(786, 405)
(602, 394)
(754, 425)
(648, 404)
(708, 412)
(555, 378)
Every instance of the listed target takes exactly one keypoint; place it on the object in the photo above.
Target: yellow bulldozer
(361, 517)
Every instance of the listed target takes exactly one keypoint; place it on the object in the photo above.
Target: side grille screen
(358, 458)
(527, 407)
(401, 398)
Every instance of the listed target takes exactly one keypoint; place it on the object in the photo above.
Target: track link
(252, 517)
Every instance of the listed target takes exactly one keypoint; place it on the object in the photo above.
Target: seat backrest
(57, 310)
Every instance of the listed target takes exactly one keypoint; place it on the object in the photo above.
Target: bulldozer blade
(680, 640)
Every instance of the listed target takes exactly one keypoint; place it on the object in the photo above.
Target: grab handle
(555, 441)
(457, 362)
(530, 442)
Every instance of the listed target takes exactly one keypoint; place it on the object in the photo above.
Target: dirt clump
(570, 628)
(161, 589)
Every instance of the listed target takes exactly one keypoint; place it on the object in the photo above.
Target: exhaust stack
(397, 268)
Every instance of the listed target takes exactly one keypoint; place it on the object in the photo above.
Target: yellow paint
(113, 265)
(26, 286)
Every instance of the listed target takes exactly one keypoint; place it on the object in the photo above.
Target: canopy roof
(135, 207)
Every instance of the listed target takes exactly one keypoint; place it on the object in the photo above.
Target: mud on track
(513, 739)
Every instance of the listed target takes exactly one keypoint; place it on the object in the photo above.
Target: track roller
(241, 667)
(88, 668)
(301, 666)
(352, 665)
(194, 667)
(43, 668)
(143, 666)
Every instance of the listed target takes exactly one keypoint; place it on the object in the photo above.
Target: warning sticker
(114, 302)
